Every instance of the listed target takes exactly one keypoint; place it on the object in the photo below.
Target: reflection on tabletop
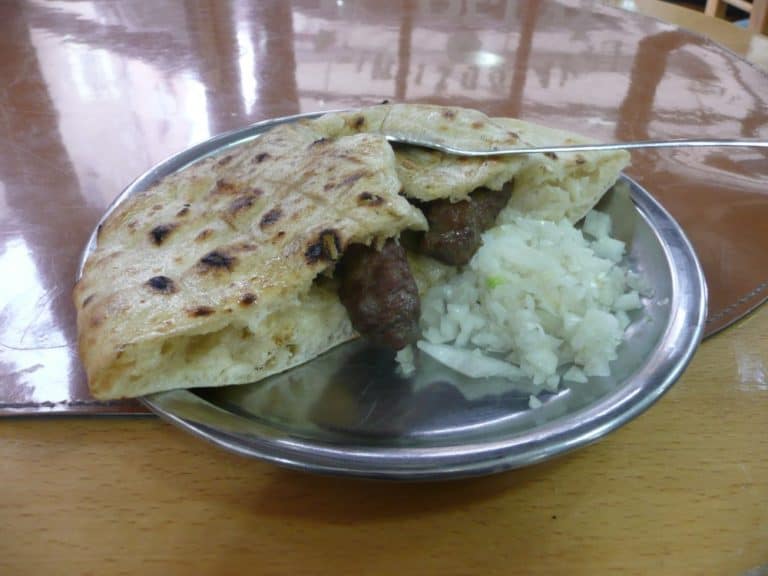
(151, 80)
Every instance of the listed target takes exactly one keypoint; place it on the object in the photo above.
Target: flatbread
(209, 277)
(219, 274)
(563, 185)
(549, 186)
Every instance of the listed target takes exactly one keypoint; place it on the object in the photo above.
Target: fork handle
(694, 143)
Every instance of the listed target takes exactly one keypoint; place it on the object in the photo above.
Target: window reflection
(752, 369)
(117, 93)
(490, 63)
(33, 350)
(246, 63)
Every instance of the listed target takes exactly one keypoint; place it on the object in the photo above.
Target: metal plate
(348, 412)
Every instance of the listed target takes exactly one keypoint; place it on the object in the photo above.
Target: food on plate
(379, 293)
(269, 253)
(455, 227)
(537, 295)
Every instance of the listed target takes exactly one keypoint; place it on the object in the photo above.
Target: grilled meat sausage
(380, 294)
(455, 228)
(377, 287)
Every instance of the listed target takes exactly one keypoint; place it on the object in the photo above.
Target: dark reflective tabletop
(95, 93)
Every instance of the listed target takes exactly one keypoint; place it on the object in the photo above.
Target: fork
(694, 143)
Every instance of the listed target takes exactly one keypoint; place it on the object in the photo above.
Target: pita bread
(209, 277)
(220, 274)
(549, 186)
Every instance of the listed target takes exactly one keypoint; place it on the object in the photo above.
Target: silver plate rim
(681, 338)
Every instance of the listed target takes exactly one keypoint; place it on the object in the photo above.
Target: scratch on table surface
(29, 369)
(41, 306)
(31, 348)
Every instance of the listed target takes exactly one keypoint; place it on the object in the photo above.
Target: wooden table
(680, 490)
(683, 489)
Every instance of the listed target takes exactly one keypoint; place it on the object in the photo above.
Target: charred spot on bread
(358, 123)
(184, 210)
(259, 158)
(246, 333)
(270, 217)
(162, 284)
(161, 232)
(224, 186)
(200, 311)
(449, 114)
(241, 203)
(226, 160)
(551, 155)
(247, 299)
(88, 300)
(244, 247)
(350, 158)
(319, 141)
(326, 247)
(354, 177)
(477, 124)
(368, 199)
(204, 235)
(313, 252)
(217, 260)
